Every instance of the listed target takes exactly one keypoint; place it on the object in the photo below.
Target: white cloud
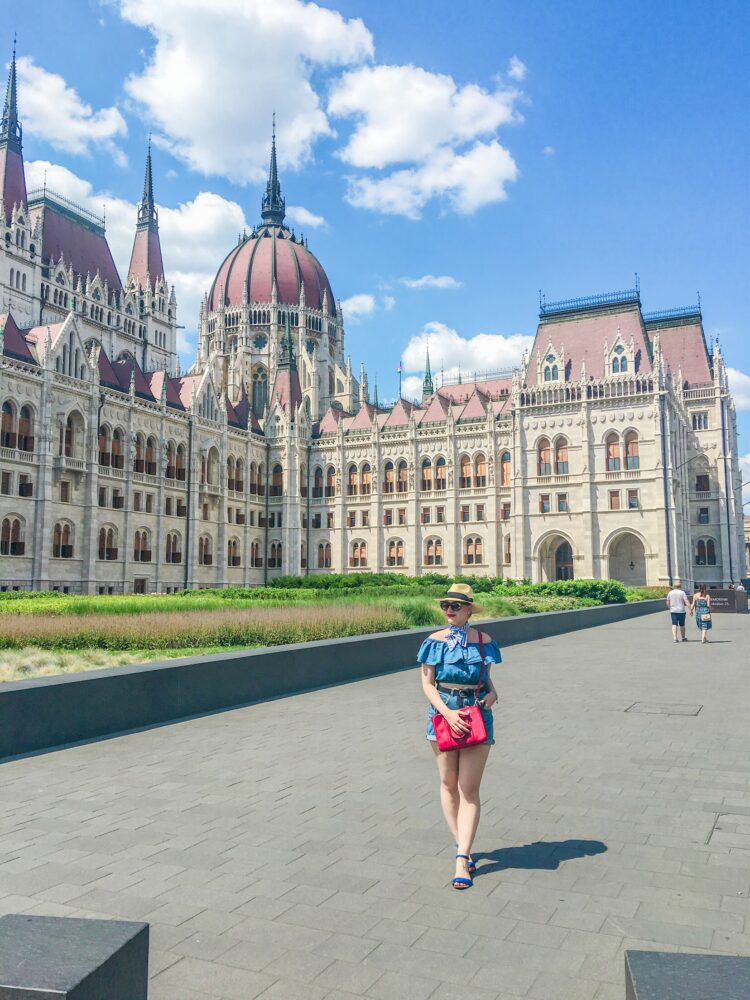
(739, 384)
(411, 387)
(431, 281)
(389, 303)
(548, 151)
(357, 307)
(467, 180)
(516, 69)
(437, 138)
(303, 217)
(53, 111)
(451, 352)
(404, 114)
(219, 68)
(195, 237)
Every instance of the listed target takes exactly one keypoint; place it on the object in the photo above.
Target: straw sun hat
(460, 592)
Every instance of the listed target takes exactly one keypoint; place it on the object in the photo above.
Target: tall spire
(427, 389)
(12, 175)
(10, 129)
(147, 210)
(146, 263)
(273, 206)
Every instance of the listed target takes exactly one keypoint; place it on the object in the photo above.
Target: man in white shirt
(678, 604)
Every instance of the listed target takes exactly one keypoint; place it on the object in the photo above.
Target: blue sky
(502, 147)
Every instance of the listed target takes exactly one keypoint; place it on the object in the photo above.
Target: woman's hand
(456, 721)
(489, 699)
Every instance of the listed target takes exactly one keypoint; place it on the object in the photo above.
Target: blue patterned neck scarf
(457, 637)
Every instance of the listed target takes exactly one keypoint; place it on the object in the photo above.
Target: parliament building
(610, 452)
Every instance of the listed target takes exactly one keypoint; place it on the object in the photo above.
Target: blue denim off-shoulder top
(458, 665)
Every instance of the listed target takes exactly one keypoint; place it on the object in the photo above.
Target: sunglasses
(452, 605)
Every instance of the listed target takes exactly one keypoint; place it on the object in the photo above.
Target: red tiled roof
(400, 414)
(107, 374)
(363, 419)
(437, 409)
(37, 335)
(330, 420)
(244, 415)
(254, 264)
(145, 260)
(582, 338)
(123, 370)
(185, 385)
(14, 343)
(461, 392)
(475, 407)
(286, 390)
(155, 382)
(12, 180)
(684, 347)
(83, 246)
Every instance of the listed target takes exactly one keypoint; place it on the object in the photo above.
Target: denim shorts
(456, 701)
(678, 618)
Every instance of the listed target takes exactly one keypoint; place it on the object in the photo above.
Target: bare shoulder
(481, 636)
(440, 634)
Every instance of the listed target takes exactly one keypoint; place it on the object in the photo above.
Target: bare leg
(447, 764)
(674, 632)
(682, 631)
(471, 762)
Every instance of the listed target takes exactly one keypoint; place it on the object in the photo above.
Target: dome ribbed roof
(271, 254)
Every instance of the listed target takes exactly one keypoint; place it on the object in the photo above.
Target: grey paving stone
(245, 856)
(352, 977)
(394, 986)
(213, 978)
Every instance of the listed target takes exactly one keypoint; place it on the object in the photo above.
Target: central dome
(271, 254)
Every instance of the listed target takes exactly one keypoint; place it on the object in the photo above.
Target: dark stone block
(662, 975)
(64, 958)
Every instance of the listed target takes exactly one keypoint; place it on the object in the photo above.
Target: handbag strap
(482, 668)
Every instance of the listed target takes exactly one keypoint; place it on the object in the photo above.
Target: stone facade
(610, 452)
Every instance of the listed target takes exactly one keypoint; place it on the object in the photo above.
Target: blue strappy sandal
(460, 882)
(472, 866)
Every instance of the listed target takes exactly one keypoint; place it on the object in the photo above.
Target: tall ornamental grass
(192, 629)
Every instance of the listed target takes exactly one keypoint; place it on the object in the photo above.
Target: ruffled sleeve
(431, 652)
(492, 652)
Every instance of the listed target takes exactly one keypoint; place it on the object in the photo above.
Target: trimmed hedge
(600, 591)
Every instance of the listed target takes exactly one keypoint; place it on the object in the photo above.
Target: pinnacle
(10, 130)
(273, 206)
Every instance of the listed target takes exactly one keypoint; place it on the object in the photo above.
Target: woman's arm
(452, 717)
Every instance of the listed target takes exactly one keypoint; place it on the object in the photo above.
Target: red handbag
(446, 738)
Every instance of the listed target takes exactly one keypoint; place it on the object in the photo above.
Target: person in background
(702, 609)
(678, 604)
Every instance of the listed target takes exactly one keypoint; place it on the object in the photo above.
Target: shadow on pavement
(545, 855)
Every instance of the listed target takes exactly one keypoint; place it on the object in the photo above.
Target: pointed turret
(273, 207)
(427, 388)
(286, 387)
(146, 265)
(12, 176)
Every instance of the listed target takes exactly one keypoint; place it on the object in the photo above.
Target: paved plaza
(296, 849)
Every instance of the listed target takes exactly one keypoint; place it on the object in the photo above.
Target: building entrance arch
(627, 560)
(555, 559)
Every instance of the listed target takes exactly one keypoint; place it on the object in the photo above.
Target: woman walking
(702, 610)
(455, 677)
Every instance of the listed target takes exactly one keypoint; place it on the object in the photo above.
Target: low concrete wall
(52, 711)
